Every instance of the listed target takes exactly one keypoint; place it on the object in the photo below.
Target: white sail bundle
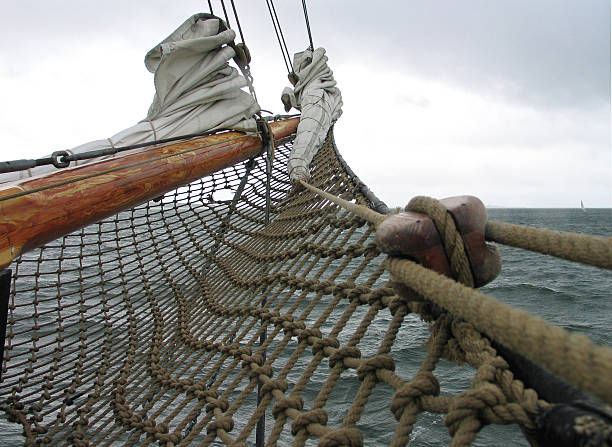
(196, 90)
(320, 102)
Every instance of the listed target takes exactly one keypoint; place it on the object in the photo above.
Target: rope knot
(471, 403)
(381, 361)
(343, 437)
(303, 335)
(261, 370)
(292, 327)
(327, 287)
(323, 343)
(221, 404)
(398, 304)
(229, 349)
(356, 292)
(344, 353)
(340, 288)
(278, 384)
(225, 423)
(201, 393)
(238, 353)
(316, 416)
(377, 295)
(423, 384)
(249, 359)
(297, 403)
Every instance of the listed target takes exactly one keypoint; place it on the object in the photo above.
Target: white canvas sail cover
(320, 102)
(196, 90)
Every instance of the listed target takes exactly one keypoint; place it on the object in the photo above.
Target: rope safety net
(146, 327)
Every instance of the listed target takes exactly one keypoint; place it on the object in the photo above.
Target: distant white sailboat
(582, 206)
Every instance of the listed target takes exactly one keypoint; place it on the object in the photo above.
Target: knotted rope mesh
(148, 327)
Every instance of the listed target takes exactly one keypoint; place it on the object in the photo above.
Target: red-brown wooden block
(413, 235)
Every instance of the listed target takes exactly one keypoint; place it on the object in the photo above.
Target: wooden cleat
(414, 235)
(470, 216)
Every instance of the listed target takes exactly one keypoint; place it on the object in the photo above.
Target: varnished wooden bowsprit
(70, 199)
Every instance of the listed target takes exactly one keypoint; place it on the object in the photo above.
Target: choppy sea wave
(576, 297)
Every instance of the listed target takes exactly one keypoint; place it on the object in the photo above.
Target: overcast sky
(508, 100)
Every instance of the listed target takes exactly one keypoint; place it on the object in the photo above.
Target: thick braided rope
(451, 239)
(586, 249)
(591, 250)
(572, 356)
(359, 210)
(487, 399)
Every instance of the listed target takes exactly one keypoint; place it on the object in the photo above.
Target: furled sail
(196, 90)
(320, 102)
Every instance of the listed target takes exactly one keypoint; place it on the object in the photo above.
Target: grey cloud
(551, 53)
(546, 53)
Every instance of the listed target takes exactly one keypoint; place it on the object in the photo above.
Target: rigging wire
(238, 21)
(279, 35)
(225, 13)
(210, 6)
(307, 25)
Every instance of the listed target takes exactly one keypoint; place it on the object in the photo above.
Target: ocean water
(573, 296)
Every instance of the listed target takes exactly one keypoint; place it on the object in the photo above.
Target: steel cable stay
(238, 22)
(279, 36)
(307, 25)
(226, 15)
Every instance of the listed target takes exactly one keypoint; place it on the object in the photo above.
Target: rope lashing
(451, 239)
(572, 356)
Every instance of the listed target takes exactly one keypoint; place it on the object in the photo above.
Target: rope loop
(58, 159)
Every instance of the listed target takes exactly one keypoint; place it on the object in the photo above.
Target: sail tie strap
(569, 355)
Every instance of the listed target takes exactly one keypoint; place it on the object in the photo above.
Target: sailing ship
(142, 308)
